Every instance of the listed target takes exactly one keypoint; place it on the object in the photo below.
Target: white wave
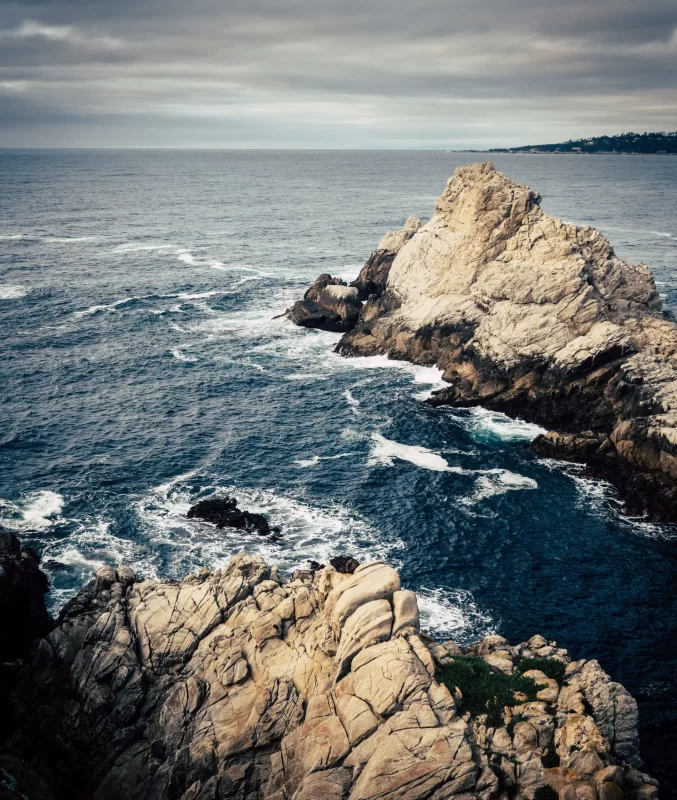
(315, 460)
(180, 356)
(352, 402)
(494, 423)
(34, 510)
(308, 531)
(137, 248)
(200, 295)
(348, 272)
(452, 614)
(238, 268)
(662, 233)
(187, 257)
(13, 236)
(385, 451)
(9, 291)
(104, 307)
(66, 239)
(493, 482)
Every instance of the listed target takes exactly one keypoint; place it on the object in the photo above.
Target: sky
(395, 74)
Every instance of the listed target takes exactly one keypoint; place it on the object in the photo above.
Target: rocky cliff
(537, 318)
(237, 684)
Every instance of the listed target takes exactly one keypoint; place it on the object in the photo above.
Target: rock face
(235, 684)
(537, 318)
(329, 305)
(373, 277)
(224, 513)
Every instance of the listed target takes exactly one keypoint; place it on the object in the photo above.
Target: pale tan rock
(231, 684)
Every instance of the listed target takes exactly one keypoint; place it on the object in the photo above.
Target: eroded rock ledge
(235, 684)
(540, 319)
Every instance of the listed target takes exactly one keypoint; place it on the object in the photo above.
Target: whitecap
(187, 257)
(315, 460)
(104, 307)
(13, 236)
(10, 291)
(452, 614)
(482, 421)
(137, 248)
(493, 482)
(66, 239)
(180, 356)
(33, 510)
(352, 402)
(385, 451)
(663, 234)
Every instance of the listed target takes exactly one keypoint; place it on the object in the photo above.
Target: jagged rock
(536, 318)
(328, 304)
(373, 277)
(224, 513)
(235, 684)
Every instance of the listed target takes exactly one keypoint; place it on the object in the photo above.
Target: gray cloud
(333, 73)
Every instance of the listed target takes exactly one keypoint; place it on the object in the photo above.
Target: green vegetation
(484, 690)
(545, 793)
(644, 143)
(551, 667)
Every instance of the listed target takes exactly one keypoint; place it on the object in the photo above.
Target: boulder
(328, 304)
(224, 513)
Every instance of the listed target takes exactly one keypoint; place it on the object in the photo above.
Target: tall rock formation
(537, 318)
(236, 684)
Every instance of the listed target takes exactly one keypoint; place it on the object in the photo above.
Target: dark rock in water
(23, 614)
(309, 314)
(314, 566)
(328, 305)
(345, 564)
(224, 513)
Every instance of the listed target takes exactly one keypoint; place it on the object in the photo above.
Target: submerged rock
(224, 513)
(235, 684)
(536, 318)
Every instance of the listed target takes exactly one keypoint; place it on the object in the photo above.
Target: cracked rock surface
(237, 684)
(539, 319)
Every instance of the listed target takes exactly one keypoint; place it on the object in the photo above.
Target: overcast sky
(444, 74)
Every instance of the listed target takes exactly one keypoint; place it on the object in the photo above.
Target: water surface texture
(143, 368)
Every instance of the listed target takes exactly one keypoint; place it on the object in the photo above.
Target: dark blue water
(142, 368)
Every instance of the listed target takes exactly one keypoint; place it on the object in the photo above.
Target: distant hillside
(643, 143)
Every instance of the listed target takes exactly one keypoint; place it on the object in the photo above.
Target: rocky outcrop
(329, 305)
(224, 513)
(539, 319)
(373, 277)
(237, 684)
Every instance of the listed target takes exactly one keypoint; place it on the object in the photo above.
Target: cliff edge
(539, 319)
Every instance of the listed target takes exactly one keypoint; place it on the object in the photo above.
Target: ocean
(144, 366)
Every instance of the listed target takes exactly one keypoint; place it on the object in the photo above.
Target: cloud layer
(333, 73)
